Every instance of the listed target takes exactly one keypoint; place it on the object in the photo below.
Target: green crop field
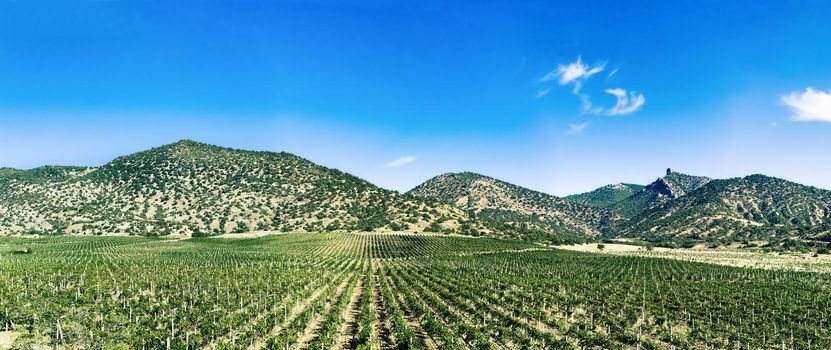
(383, 291)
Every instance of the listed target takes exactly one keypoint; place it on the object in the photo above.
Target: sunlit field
(376, 291)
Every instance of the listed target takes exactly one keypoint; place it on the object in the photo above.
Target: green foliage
(291, 291)
(516, 211)
(193, 189)
(673, 185)
(606, 196)
(742, 209)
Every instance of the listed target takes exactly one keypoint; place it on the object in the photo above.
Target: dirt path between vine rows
(261, 342)
(413, 322)
(231, 337)
(381, 328)
(311, 331)
(349, 328)
(7, 338)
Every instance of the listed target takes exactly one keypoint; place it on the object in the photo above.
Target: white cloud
(401, 161)
(810, 105)
(577, 72)
(576, 128)
(627, 103)
(573, 72)
(543, 92)
(586, 103)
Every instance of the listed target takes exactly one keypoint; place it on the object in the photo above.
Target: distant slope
(514, 206)
(669, 187)
(194, 188)
(606, 196)
(189, 187)
(752, 207)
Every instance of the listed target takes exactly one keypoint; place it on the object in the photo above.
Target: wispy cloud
(573, 72)
(586, 103)
(576, 128)
(810, 105)
(401, 161)
(577, 72)
(627, 103)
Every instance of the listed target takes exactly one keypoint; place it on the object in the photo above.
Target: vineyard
(390, 291)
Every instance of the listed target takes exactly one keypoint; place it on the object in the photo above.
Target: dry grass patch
(721, 256)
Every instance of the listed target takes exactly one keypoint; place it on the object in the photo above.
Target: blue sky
(560, 97)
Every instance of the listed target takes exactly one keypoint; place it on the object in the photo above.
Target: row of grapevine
(403, 291)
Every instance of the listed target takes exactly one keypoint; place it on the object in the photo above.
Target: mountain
(669, 187)
(508, 205)
(194, 188)
(191, 188)
(606, 196)
(752, 207)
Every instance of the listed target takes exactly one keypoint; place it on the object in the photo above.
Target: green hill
(606, 196)
(193, 188)
(508, 205)
(747, 208)
(667, 188)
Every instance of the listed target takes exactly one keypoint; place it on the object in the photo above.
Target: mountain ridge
(666, 188)
(516, 206)
(189, 187)
(743, 208)
(193, 188)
